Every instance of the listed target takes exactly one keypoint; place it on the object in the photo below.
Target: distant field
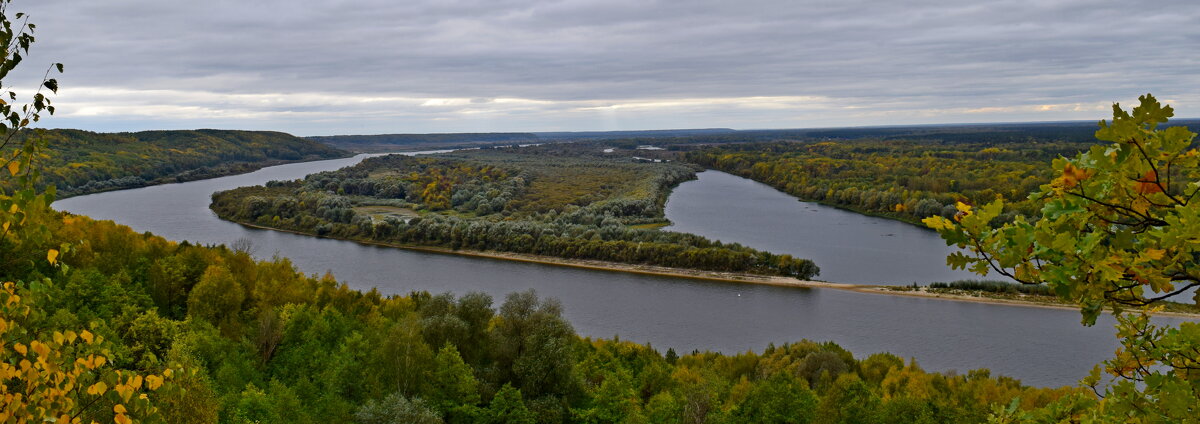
(379, 213)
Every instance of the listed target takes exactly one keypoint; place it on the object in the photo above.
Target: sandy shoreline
(730, 277)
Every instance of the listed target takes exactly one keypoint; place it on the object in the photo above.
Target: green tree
(402, 357)
(782, 398)
(508, 407)
(396, 409)
(1120, 228)
(613, 402)
(169, 286)
(452, 386)
(217, 298)
(533, 345)
(848, 401)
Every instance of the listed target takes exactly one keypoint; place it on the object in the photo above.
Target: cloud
(384, 66)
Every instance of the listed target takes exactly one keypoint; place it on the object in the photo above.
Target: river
(849, 247)
(1040, 346)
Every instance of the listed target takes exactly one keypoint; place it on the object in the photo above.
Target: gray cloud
(313, 67)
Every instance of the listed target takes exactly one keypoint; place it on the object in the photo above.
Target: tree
(452, 386)
(1120, 228)
(46, 373)
(782, 398)
(396, 409)
(508, 407)
(217, 297)
(533, 346)
(849, 400)
(614, 401)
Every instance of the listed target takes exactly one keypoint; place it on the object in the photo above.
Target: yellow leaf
(20, 348)
(1155, 254)
(153, 382)
(52, 256)
(124, 390)
(119, 408)
(962, 207)
(14, 167)
(41, 348)
(938, 223)
(86, 336)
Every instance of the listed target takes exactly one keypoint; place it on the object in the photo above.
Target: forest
(901, 179)
(82, 162)
(241, 341)
(569, 201)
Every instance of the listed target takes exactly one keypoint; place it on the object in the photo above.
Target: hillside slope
(82, 162)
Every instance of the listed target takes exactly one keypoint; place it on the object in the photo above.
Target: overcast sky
(389, 66)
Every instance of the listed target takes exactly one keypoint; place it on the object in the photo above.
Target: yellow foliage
(41, 369)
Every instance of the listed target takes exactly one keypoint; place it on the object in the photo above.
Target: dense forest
(256, 341)
(81, 162)
(569, 201)
(906, 180)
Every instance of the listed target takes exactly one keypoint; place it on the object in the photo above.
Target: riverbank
(194, 174)
(597, 265)
(728, 277)
(993, 298)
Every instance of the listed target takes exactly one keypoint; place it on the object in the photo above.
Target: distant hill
(596, 135)
(409, 142)
(84, 162)
(1073, 131)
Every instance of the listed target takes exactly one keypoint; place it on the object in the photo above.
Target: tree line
(901, 179)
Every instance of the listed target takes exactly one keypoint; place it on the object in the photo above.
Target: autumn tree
(1120, 229)
(46, 374)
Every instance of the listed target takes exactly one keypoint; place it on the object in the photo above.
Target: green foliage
(396, 409)
(453, 388)
(849, 401)
(782, 398)
(1118, 229)
(508, 407)
(533, 346)
(217, 298)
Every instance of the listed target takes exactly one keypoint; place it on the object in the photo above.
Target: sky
(415, 66)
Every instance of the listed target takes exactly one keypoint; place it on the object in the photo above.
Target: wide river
(1040, 346)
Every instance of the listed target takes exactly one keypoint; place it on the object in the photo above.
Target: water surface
(1040, 346)
(847, 246)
